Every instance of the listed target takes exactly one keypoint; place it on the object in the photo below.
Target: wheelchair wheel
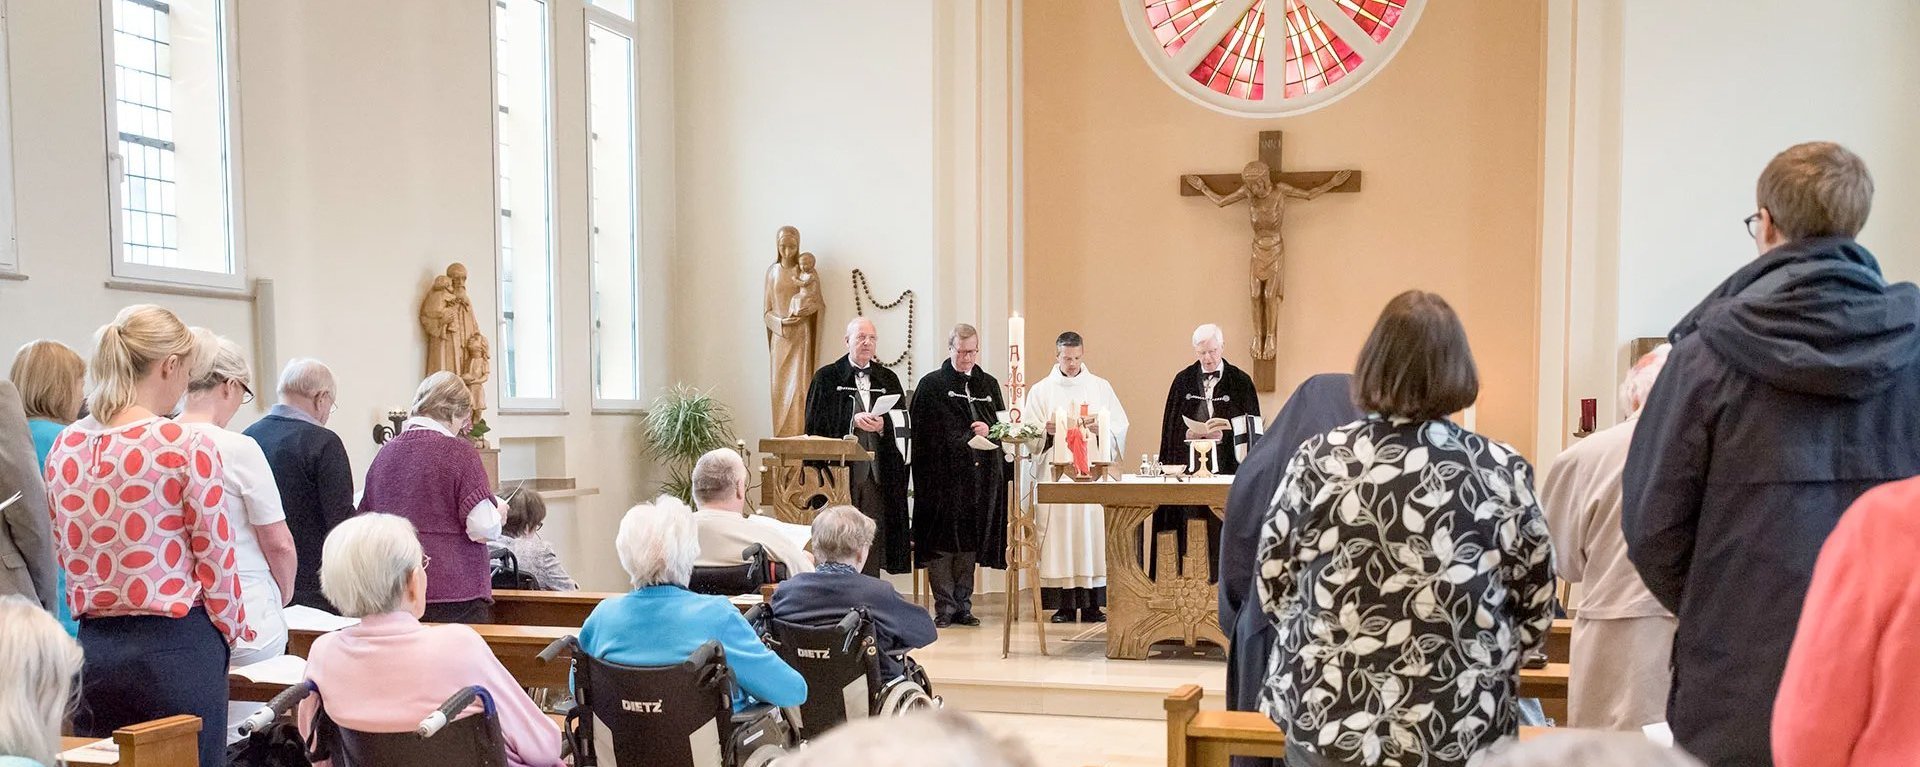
(762, 756)
(903, 696)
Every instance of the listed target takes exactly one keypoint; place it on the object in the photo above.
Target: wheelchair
(735, 580)
(841, 664)
(666, 716)
(443, 737)
(506, 570)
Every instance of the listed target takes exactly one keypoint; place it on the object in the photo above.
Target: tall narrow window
(524, 130)
(9, 248)
(173, 163)
(614, 220)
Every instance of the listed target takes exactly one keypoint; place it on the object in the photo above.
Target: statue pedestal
(794, 490)
(490, 458)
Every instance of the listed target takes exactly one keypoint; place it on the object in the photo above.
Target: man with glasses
(959, 479)
(310, 466)
(1790, 391)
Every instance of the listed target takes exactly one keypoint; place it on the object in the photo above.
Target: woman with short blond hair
(432, 475)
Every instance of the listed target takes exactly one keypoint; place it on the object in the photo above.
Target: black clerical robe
(1233, 395)
(960, 494)
(832, 399)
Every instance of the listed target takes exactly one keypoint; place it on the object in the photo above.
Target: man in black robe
(840, 402)
(960, 491)
(1209, 388)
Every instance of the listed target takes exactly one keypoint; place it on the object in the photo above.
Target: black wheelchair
(443, 737)
(841, 664)
(735, 580)
(666, 716)
(506, 570)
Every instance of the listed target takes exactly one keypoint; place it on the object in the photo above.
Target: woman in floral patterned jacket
(1405, 564)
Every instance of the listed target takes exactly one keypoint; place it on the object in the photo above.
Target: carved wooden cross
(1268, 215)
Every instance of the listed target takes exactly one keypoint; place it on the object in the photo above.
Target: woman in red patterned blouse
(148, 554)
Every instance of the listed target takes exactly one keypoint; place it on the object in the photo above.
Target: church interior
(626, 234)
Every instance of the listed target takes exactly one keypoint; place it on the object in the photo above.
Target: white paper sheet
(1659, 732)
(982, 443)
(884, 403)
(285, 670)
(98, 752)
(304, 618)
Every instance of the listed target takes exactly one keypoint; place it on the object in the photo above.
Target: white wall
(1660, 118)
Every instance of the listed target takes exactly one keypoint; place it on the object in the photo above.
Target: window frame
(9, 218)
(508, 404)
(173, 276)
(613, 23)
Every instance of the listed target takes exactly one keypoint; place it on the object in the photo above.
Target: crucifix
(1266, 189)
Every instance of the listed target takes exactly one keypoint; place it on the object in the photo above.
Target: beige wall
(1447, 136)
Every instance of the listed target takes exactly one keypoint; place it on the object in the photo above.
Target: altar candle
(1016, 358)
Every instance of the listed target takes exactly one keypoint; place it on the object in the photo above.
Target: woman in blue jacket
(661, 623)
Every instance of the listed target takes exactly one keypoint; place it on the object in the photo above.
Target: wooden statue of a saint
(792, 316)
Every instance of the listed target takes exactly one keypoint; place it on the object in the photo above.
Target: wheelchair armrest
(564, 644)
(280, 705)
(452, 708)
(756, 616)
(708, 652)
(756, 557)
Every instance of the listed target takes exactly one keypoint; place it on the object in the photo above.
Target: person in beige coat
(26, 540)
(1622, 637)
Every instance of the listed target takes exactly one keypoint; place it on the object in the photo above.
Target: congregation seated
(725, 526)
(432, 475)
(389, 671)
(533, 556)
(310, 467)
(661, 623)
(842, 538)
(262, 546)
(41, 662)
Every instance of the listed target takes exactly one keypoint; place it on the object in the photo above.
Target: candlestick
(1016, 364)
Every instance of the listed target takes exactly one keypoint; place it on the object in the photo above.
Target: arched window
(1218, 52)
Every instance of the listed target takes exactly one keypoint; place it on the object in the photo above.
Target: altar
(1177, 602)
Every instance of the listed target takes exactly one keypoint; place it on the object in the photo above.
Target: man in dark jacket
(1790, 391)
(842, 537)
(310, 467)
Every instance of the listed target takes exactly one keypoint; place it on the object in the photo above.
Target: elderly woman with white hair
(842, 539)
(433, 476)
(41, 663)
(262, 546)
(661, 623)
(310, 467)
(1622, 637)
(389, 671)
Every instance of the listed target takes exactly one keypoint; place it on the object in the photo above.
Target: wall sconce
(383, 432)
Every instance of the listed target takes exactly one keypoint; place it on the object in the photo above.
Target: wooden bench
(170, 742)
(1197, 738)
(515, 646)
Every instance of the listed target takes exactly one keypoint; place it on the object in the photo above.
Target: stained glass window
(1216, 51)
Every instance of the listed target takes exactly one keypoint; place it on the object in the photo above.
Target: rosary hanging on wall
(862, 288)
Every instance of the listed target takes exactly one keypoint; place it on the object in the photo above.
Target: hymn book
(1208, 426)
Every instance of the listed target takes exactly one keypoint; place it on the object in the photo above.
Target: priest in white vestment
(1073, 540)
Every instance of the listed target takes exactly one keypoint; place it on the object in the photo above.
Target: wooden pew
(1197, 738)
(515, 646)
(1560, 641)
(170, 742)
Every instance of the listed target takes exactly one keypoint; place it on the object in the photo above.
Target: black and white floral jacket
(1407, 569)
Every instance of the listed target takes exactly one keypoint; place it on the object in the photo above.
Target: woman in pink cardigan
(1847, 696)
(391, 670)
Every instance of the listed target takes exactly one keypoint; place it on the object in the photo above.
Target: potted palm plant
(682, 424)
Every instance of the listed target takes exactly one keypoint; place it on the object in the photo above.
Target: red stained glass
(1174, 21)
(1315, 57)
(1236, 65)
(1375, 17)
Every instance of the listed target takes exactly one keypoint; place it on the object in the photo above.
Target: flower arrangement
(1019, 431)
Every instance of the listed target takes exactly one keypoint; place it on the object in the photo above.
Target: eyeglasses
(246, 392)
(1750, 221)
(426, 561)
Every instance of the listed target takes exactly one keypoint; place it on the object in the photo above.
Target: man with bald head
(840, 402)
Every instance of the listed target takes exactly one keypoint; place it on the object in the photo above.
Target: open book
(1208, 426)
(304, 618)
(282, 670)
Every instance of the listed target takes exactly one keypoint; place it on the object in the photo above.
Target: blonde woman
(432, 475)
(149, 557)
(263, 547)
(40, 660)
(51, 379)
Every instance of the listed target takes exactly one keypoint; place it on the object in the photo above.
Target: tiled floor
(1079, 741)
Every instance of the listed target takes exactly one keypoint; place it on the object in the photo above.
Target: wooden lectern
(793, 489)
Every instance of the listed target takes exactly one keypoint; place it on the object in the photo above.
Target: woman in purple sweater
(432, 476)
